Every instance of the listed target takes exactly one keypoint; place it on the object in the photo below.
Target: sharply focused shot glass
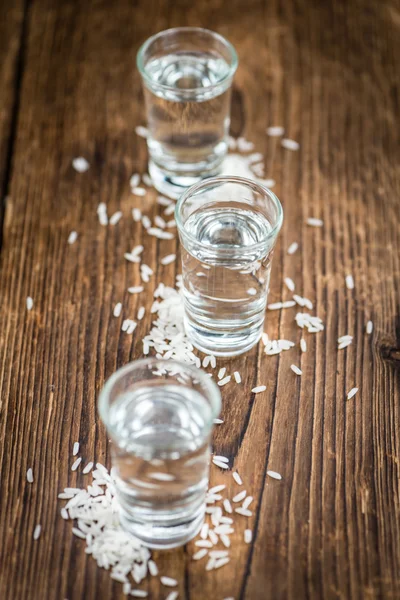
(159, 415)
(187, 75)
(228, 228)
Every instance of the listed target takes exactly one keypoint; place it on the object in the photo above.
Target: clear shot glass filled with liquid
(187, 75)
(228, 227)
(159, 415)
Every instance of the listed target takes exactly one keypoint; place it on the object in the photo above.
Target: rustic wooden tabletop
(329, 73)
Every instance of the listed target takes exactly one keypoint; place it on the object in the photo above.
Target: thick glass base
(222, 344)
(173, 185)
(163, 536)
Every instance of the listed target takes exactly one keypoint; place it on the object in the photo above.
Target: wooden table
(327, 71)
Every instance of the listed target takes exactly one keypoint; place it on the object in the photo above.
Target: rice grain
(352, 393)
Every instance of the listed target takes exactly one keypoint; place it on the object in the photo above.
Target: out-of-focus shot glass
(228, 227)
(187, 75)
(159, 415)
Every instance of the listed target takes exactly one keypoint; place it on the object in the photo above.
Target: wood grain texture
(13, 20)
(328, 72)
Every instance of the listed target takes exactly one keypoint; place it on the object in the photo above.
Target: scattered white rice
(139, 593)
(138, 191)
(243, 511)
(221, 372)
(227, 506)
(168, 581)
(224, 381)
(171, 223)
(352, 393)
(115, 218)
(76, 464)
(134, 180)
(88, 468)
(142, 131)
(136, 214)
(147, 180)
(314, 222)
(252, 291)
(220, 458)
(131, 326)
(29, 476)
(159, 221)
(296, 370)
(275, 306)
(216, 489)
(163, 201)
(312, 323)
(284, 344)
(29, 303)
(73, 236)
(200, 554)
(80, 164)
(275, 131)
(344, 341)
(293, 248)
(248, 536)
(303, 345)
(349, 282)
(131, 258)
(64, 514)
(160, 234)
(244, 145)
(117, 309)
(167, 260)
(274, 475)
(237, 478)
(289, 284)
(290, 144)
(203, 544)
(255, 157)
(259, 388)
(153, 569)
(146, 222)
(369, 327)
(136, 289)
(240, 496)
(220, 464)
(172, 596)
(237, 377)
(304, 302)
(141, 312)
(37, 531)
(102, 214)
(247, 501)
(75, 449)
(169, 210)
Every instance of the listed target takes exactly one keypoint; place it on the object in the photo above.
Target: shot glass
(228, 227)
(187, 75)
(159, 415)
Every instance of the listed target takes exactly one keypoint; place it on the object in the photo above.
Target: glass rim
(216, 181)
(146, 44)
(210, 387)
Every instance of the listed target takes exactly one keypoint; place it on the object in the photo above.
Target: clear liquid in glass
(188, 121)
(225, 278)
(161, 461)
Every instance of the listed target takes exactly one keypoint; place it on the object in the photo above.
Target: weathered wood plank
(328, 73)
